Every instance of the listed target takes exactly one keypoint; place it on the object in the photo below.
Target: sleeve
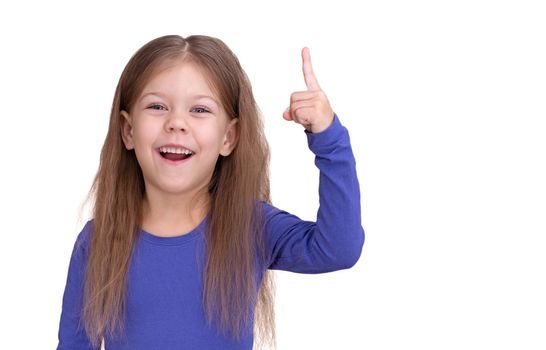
(335, 240)
(71, 331)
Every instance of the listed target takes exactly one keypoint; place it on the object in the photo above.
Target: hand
(310, 108)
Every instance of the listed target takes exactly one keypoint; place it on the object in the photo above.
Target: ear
(126, 130)
(230, 138)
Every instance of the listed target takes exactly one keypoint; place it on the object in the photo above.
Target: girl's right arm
(71, 334)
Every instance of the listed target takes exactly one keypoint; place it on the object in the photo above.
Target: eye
(202, 109)
(156, 107)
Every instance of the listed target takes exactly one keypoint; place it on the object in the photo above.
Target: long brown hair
(233, 237)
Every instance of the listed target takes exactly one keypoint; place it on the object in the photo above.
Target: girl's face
(178, 108)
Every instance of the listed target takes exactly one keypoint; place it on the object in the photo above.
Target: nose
(176, 121)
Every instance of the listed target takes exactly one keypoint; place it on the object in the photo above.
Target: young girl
(183, 238)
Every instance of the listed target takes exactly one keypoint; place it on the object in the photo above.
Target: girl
(183, 238)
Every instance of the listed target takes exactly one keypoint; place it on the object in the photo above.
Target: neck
(172, 215)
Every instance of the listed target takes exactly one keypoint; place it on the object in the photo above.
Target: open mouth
(175, 156)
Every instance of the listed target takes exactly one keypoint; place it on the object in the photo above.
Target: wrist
(318, 128)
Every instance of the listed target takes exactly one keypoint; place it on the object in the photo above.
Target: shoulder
(268, 210)
(273, 217)
(264, 206)
(84, 236)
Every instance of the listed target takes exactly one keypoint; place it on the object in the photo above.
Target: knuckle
(293, 96)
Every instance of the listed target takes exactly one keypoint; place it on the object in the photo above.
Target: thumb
(286, 114)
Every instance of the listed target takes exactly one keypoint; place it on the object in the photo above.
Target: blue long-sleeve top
(164, 287)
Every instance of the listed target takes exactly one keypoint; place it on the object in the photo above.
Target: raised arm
(335, 240)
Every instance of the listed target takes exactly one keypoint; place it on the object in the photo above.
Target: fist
(310, 108)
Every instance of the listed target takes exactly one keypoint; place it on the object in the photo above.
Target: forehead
(180, 75)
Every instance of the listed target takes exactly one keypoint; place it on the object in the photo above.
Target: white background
(445, 105)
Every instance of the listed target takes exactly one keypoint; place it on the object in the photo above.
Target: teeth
(175, 150)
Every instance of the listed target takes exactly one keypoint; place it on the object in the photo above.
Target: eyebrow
(197, 96)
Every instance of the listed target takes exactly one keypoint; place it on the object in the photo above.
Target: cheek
(144, 136)
(214, 140)
(146, 132)
(210, 136)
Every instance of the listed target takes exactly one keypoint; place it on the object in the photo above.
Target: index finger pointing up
(308, 74)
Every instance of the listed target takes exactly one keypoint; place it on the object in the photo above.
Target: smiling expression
(177, 107)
